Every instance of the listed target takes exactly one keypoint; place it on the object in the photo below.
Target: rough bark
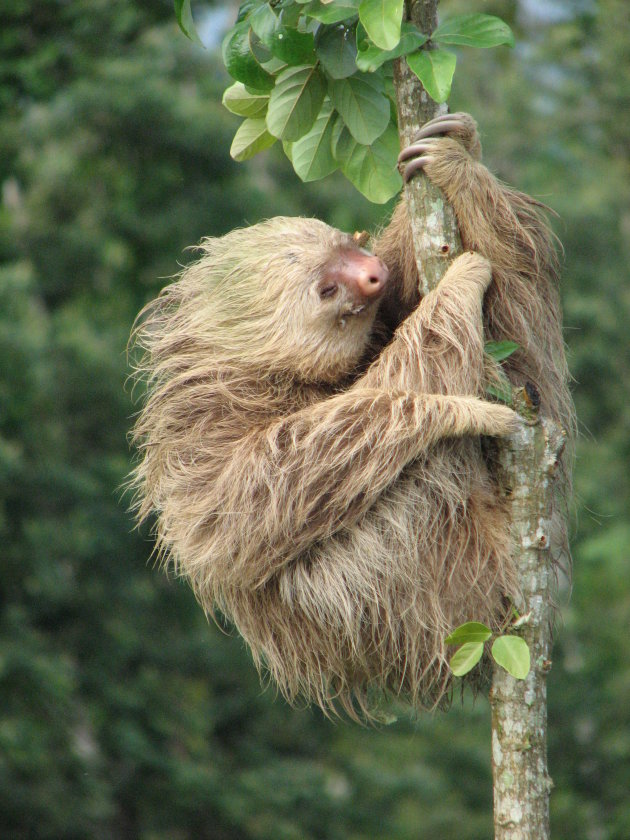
(519, 707)
(435, 232)
(519, 712)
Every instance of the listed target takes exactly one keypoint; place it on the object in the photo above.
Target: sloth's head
(288, 295)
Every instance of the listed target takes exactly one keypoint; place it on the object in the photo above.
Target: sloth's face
(290, 295)
(337, 308)
(351, 285)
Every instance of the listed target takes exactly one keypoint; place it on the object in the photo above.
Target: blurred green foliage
(122, 712)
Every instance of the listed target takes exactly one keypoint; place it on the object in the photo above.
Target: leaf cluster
(509, 651)
(318, 76)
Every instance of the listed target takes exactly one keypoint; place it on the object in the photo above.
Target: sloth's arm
(438, 349)
(317, 470)
(509, 229)
(503, 224)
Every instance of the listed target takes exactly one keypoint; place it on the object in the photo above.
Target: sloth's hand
(428, 142)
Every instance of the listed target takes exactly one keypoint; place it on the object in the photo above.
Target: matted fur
(320, 480)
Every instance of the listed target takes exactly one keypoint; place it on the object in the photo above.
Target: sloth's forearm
(320, 469)
(439, 347)
(522, 304)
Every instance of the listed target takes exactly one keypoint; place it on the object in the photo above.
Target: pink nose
(363, 274)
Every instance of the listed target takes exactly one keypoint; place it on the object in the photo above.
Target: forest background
(123, 713)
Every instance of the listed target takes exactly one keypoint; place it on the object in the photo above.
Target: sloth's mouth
(350, 313)
(354, 310)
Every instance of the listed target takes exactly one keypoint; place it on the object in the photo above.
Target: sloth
(310, 444)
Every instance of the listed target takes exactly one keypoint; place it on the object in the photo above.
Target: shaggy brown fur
(325, 489)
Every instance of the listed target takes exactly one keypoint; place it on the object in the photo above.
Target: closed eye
(328, 291)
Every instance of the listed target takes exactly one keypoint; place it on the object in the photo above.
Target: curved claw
(414, 165)
(415, 149)
(418, 153)
(442, 127)
(459, 116)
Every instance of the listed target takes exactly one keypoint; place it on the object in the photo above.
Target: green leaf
(252, 137)
(332, 12)
(471, 631)
(501, 387)
(370, 58)
(274, 66)
(474, 31)
(239, 101)
(337, 52)
(260, 51)
(372, 169)
(500, 350)
(435, 70)
(465, 659)
(312, 155)
(295, 102)
(502, 392)
(512, 653)
(240, 61)
(382, 19)
(342, 142)
(246, 8)
(264, 23)
(289, 14)
(183, 13)
(284, 42)
(361, 103)
(292, 46)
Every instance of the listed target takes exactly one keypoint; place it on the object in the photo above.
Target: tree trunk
(519, 707)
(527, 459)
